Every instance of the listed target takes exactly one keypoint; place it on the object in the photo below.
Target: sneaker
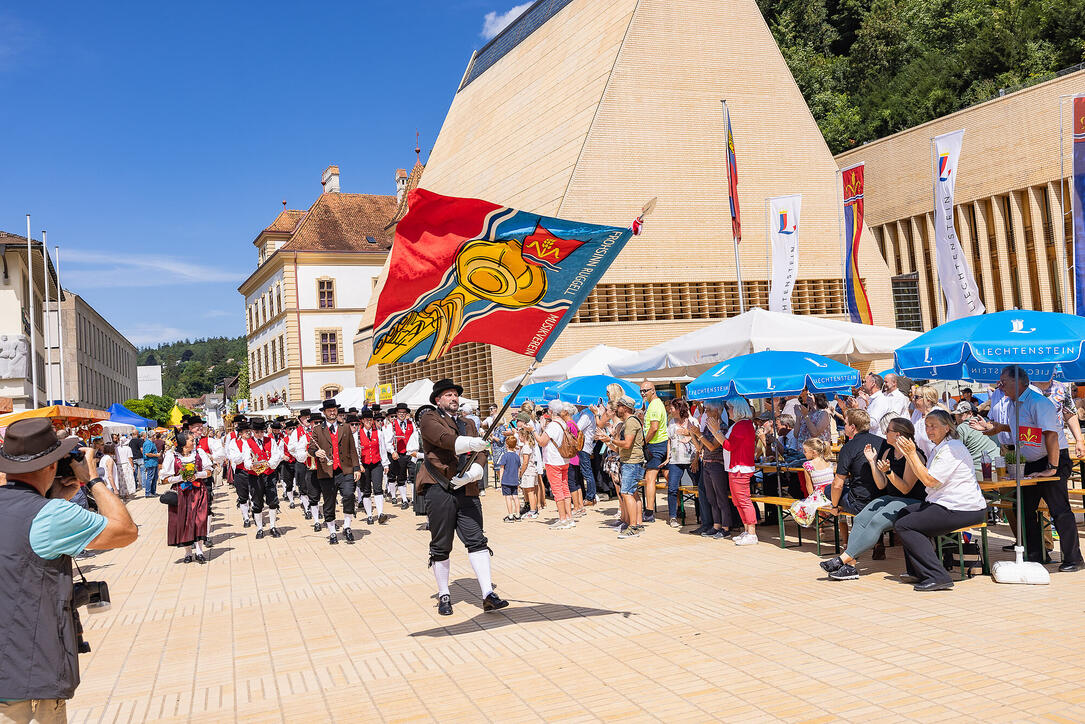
(649, 517)
(557, 525)
(530, 515)
(515, 518)
(615, 522)
(833, 564)
(673, 522)
(580, 513)
(721, 534)
(746, 539)
(846, 572)
(628, 532)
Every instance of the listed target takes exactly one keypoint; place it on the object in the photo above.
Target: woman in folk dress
(187, 470)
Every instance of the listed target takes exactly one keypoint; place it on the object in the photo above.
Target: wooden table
(1011, 484)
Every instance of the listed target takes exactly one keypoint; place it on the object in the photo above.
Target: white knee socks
(441, 570)
(347, 518)
(331, 527)
(244, 510)
(199, 548)
(402, 490)
(480, 561)
(259, 517)
(367, 503)
(380, 504)
(272, 514)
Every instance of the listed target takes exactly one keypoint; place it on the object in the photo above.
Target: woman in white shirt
(108, 470)
(954, 500)
(681, 453)
(924, 399)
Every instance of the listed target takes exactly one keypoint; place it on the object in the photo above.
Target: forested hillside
(869, 68)
(191, 368)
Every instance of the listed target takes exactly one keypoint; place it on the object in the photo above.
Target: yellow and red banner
(854, 291)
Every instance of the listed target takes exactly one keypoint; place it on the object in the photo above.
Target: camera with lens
(95, 596)
(64, 465)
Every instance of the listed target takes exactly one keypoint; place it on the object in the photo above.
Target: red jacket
(741, 441)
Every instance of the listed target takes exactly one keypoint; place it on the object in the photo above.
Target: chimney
(330, 179)
(401, 183)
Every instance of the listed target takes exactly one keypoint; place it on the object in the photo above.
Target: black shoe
(259, 534)
(1069, 567)
(908, 578)
(247, 522)
(332, 540)
(493, 602)
(649, 517)
(292, 506)
(933, 586)
(308, 514)
(188, 559)
(404, 505)
(369, 520)
(382, 518)
(833, 564)
(1009, 548)
(525, 508)
(275, 533)
(317, 526)
(846, 572)
(444, 605)
(200, 559)
(348, 534)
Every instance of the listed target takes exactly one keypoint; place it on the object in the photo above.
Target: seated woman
(954, 501)
(891, 473)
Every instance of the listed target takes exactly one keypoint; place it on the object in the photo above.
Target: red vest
(259, 453)
(369, 446)
(177, 465)
(402, 435)
(283, 440)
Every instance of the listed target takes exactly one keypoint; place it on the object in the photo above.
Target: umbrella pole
(1017, 466)
(502, 411)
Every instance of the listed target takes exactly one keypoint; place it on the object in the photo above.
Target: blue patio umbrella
(590, 389)
(537, 392)
(773, 374)
(977, 348)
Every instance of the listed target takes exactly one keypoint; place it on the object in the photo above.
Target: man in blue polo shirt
(39, 532)
(151, 459)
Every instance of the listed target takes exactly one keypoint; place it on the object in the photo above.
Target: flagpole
(60, 330)
(30, 292)
(45, 331)
(734, 239)
(768, 256)
(501, 413)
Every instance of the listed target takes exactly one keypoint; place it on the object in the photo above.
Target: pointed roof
(285, 222)
(412, 183)
(344, 222)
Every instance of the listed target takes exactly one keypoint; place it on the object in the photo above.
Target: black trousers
(372, 479)
(287, 475)
(397, 470)
(450, 512)
(918, 524)
(412, 470)
(1058, 504)
(341, 483)
(264, 490)
(306, 482)
(241, 486)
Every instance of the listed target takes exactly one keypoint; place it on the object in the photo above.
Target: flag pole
(33, 361)
(501, 413)
(734, 239)
(60, 330)
(48, 342)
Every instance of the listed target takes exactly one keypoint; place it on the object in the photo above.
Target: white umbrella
(757, 331)
(593, 361)
(411, 391)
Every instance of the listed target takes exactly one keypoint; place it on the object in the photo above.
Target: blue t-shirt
(149, 448)
(510, 468)
(63, 528)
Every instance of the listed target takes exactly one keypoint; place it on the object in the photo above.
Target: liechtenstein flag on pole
(854, 291)
(1078, 203)
(732, 182)
(465, 270)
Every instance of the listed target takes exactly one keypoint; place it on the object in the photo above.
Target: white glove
(466, 444)
(471, 475)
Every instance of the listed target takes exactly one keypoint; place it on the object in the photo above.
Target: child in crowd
(817, 464)
(510, 478)
(529, 479)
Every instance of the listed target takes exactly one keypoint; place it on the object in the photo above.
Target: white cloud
(144, 335)
(92, 270)
(493, 23)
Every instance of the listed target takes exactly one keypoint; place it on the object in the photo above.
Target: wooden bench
(825, 515)
(687, 494)
(957, 536)
(783, 505)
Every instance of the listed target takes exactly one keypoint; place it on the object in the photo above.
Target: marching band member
(373, 455)
(334, 447)
(287, 471)
(261, 460)
(401, 464)
(305, 468)
(235, 452)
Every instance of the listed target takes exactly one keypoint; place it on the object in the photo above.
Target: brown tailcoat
(348, 451)
(437, 435)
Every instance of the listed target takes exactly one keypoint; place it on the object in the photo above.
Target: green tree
(154, 407)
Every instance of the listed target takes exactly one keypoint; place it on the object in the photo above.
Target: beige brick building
(585, 109)
(1009, 203)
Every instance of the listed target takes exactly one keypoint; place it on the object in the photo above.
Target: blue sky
(153, 141)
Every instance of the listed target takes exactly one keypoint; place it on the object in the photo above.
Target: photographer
(39, 532)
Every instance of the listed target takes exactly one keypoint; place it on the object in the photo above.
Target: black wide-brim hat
(32, 444)
(402, 406)
(329, 404)
(366, 414)
(258, 425)
(196, 420)
(442, 386)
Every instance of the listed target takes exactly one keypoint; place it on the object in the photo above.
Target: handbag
(805, 511)
(168, 498)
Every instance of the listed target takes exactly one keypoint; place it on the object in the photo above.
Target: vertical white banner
(954, 275)
(784, 235)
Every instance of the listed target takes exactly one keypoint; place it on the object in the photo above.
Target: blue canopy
(591, 389)
(773, 374)
(1045, 344)
(537, 392)
(120, 413)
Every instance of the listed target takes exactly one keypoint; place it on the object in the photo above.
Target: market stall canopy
(594, 361)
(71, 415)
(120, 414)
(414, 394)
(537, 392)
(757, 331)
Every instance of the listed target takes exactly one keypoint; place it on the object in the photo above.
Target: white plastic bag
(805, 511)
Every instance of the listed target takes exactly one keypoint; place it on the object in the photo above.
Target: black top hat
(290, 423)
(32, 444)
(402, 406)
(328, 404)
(194, 420)
(352, 418)
(276, 425)
(367, 414)
(258, 425)
(443, 386)
(303, 414)
(239, 418)
(242, 425)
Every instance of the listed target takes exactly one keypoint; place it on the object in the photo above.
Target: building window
(263, 308)
(282, 352)
(325, 293)
(279, 297)
(330, 391)
(267, 367)
(329, 348)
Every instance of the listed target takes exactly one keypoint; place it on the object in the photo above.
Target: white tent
(758, 330)
(592, 361)
(415, 394)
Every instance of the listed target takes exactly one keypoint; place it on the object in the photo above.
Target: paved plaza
(665, 627)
